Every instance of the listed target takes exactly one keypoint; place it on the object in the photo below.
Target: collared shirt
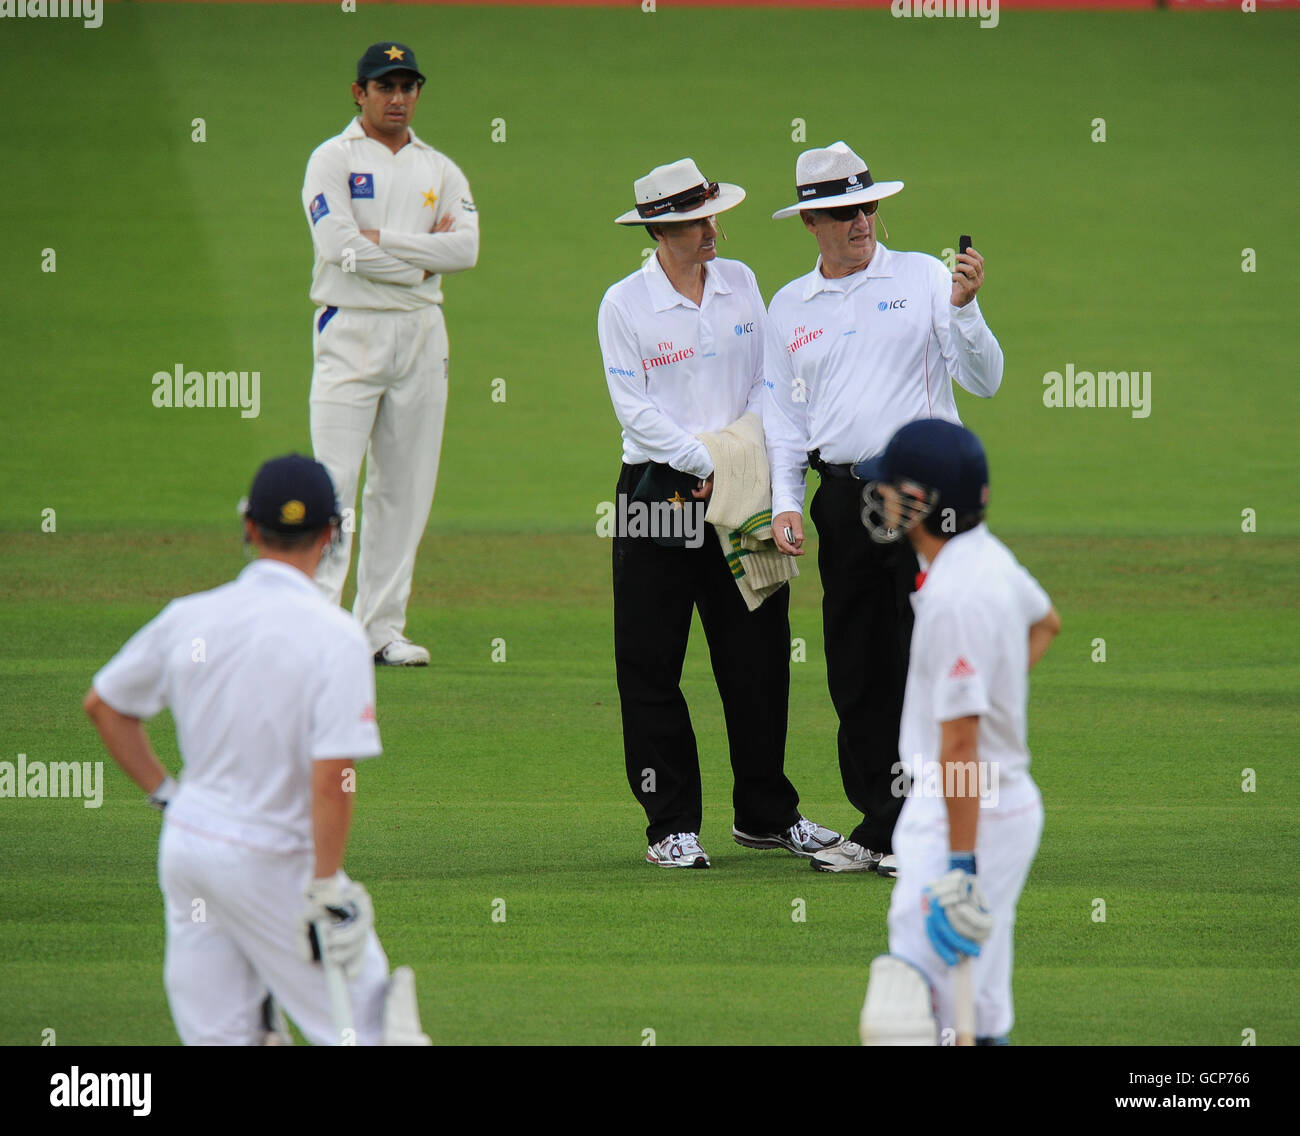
(970, 655)
(676, 369)
(263, 676)
(851, 360)
(355, 182)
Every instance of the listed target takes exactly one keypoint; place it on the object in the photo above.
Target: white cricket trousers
(379, 393)
(232, 937)
(1006, 841)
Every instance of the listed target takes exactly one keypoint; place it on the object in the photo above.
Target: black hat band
(678, 202)
(838, 187)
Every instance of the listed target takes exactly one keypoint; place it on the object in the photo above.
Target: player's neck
(837, 270)
(925, 543)
(393, 141)
(304, 560)
(686, 279)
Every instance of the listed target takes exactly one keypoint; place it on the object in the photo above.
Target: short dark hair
(962, 522)
(288, 542)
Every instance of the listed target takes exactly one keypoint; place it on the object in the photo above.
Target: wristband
(963, 861)
(159, 798)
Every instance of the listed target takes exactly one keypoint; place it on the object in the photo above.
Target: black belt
(828, 469)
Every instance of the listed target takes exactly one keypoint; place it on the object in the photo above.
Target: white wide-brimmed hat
(832, 177)
(679, 192)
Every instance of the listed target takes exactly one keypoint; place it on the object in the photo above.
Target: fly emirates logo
(803, 337)
(667, 354)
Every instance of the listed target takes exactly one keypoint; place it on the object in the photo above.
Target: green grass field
(505, 780)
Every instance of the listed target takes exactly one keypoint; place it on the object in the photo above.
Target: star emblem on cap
(395, 52)
(430, 197)
(676, 500)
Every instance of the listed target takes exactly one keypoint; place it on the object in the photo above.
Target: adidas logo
(961, 669)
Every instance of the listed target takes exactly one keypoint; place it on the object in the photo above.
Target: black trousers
(867, 623)
(655, 590)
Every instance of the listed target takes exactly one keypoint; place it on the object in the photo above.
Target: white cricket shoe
(401, 653)
(804, 838)
(681, 850)
(847, 856)
(888, 866)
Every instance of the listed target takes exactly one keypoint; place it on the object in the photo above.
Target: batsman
(972, 817)
(272, 691)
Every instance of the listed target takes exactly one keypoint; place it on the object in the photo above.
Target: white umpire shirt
(676, 369)
(355, 182)
(263, 676)
(851, 360)
(970, 655)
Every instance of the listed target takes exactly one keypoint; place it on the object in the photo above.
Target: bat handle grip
(963, 995)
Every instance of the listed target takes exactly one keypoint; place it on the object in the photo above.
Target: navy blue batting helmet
(932, 472)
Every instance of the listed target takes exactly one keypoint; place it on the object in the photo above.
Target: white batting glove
(336, 921)
(957, 917)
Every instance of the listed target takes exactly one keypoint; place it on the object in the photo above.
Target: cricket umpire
(273, 694)
(970, 825)
(681, 344)
(389, 216)
(868, 340)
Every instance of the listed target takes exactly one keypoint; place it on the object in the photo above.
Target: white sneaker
(803, 838)
(847, 856)
(401, 653)
(681, 850)
(888, 866)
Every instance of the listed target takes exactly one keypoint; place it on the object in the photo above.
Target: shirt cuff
(782, 503)
(969, 315)
(700, 462)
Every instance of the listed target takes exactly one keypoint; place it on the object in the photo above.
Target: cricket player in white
(389, 216)
(981, 622)
(272, 690)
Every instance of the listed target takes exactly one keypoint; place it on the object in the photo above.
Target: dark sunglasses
(849, 212)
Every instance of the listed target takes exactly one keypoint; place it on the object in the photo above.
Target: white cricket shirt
(355, 182)
(676, 369)
(970, 655)
(851, 360)
(263, 676)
